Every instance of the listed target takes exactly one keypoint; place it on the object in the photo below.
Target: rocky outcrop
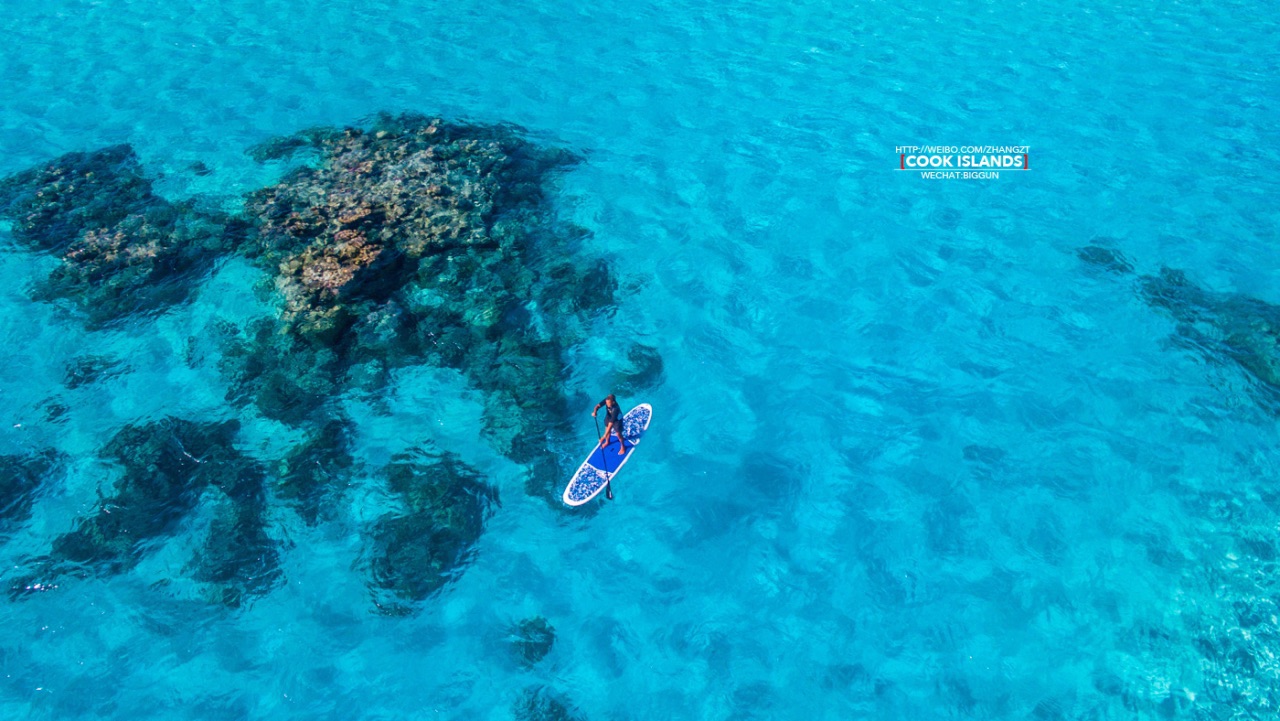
(124, 250)
(414, 240)
(417, 550)
(1229, 326)
(166, 467)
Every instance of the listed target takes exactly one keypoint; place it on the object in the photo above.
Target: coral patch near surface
(123, 249)
(410, 241)
(1220, 326)
(418, 550)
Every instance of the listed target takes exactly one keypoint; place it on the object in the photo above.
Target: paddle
(604, 456)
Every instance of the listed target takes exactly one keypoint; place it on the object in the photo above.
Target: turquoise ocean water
(911, 457)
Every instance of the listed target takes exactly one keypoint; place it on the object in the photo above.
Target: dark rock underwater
(531, 640)
(1234, 644)
(417, 550)
(124, 249)
(411, 241)
(1220, 326)
(21, 477)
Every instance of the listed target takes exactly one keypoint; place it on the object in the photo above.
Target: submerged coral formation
(418, 240)
(315, 473)
(20, 479)
(417, 551)
(531, 640)
(539, 703)
(411, 241)
(285, 378)
(52, 205)
(1244, 329)
(1224, 325)
(166, 466)
(643, 369)
(86, 369)
(123, 248)
(238, 559)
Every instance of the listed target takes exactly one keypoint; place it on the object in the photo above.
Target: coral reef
(1244, 329)
(1221, 325)
(55, 411)
(539, 703)
(315, 472)
(87, 369)
(285, 377)
(410, 241)
(124, 249)
(1105, 258)
(415, 240)
(416, 552)
(1230, 630)
(531, 640)
(238, 559)
(20, 479)
(51, 206)
(167, 465)
(643, 369)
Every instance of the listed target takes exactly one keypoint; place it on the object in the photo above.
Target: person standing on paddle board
(612, 421)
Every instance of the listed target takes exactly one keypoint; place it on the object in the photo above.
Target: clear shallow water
(910, 459)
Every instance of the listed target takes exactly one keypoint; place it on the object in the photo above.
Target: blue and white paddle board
(605, 461)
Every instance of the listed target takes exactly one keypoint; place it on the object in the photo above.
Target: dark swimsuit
(613, 414)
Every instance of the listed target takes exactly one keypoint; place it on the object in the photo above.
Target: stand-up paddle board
(603, 463)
